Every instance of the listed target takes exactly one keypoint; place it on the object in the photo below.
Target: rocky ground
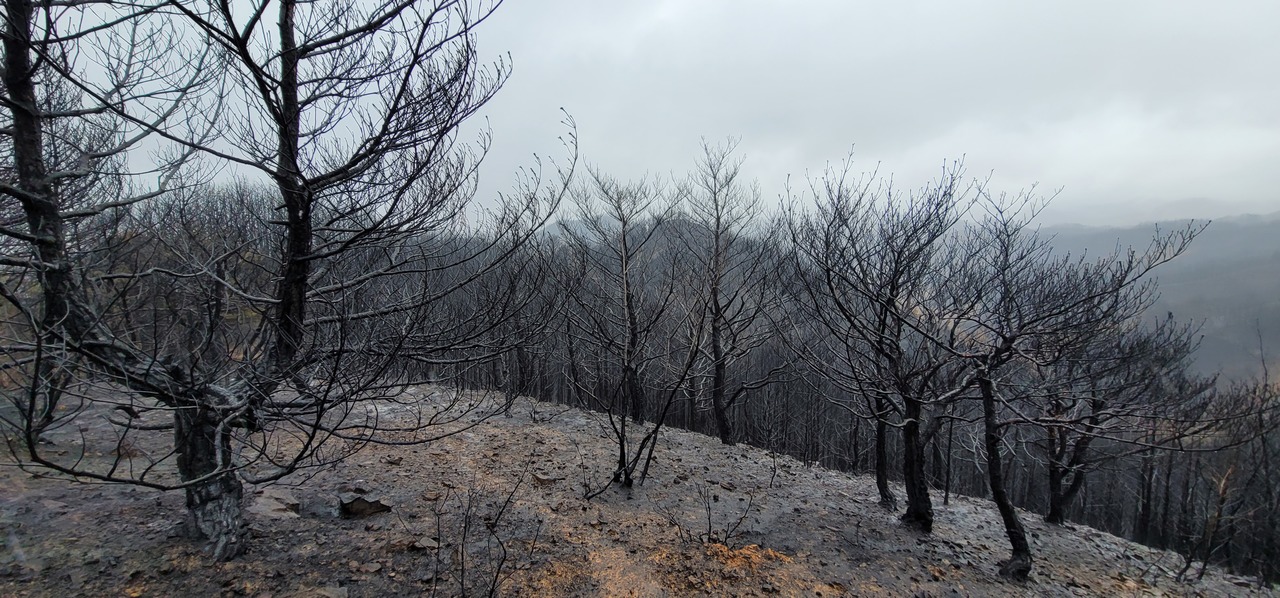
(498, 509)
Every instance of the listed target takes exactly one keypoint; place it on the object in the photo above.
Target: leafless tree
(874, 255)
(1125, 392)
(69, 137)
(1019, 306)
(270, 347)
(736, 259)
(1223, 484)
(632, 338)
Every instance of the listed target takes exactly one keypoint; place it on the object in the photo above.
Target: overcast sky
(1138, 110)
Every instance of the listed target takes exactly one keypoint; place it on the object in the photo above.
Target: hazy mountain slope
(1228, 281)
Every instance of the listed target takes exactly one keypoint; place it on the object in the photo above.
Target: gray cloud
(1143, 105)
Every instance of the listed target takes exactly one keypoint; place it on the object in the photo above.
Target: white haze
(1138, 110)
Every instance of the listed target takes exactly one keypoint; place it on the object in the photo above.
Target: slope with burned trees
(239, 236)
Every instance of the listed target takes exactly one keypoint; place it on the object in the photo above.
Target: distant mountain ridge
(1228, 281)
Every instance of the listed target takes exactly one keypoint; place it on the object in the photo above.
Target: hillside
(787, 529)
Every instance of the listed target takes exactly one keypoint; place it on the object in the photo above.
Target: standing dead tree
(736, 261)
(1127, 391)
(1019, 307)
(631, 340)
(68, 137)
(873, 256)
(352, 113)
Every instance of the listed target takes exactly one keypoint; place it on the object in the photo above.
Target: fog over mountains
(1228, 282)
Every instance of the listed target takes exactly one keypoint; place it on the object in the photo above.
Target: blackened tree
(277, 344)
(874, 257)
(736, 259)
(1018, 307)
(631, 337)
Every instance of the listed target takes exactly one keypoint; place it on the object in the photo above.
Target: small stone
(426, 544)
(351, 506)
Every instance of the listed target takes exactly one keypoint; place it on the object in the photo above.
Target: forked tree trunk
(1066, 475)
(1062, 493)
(1018, 566)
(213, 504)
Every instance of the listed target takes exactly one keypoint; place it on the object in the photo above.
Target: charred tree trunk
(855, 445)
(1018, 566)
(951, 429)
(290, 316)
(1142, 522)
(631, 377)
(919, 515)
(1146, 503)
(1165, 538)
(1070, 479)
(203, 440)
(40, 204)
(634, 393)
(691, 420)
(720, 380)
(1056, 475)
(623, 474)
(1060, 497)
(525, 374)
(1066, 472)
(887, 499)
(937, 474)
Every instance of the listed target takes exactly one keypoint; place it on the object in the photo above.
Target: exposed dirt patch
(500, 505)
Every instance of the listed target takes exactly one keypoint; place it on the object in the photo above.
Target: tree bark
(1060, 498)
(919, 515)
(1018, 566)
(204, 448)
(724, 427)
(290, 315)
(887, 499)
(1062, 495)
(719, 368)
(1146, 502)
(40, 205)
(937, 475)
(951, 429)
(1165, 537)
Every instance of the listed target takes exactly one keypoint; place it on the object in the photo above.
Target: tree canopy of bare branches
(266, 321)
